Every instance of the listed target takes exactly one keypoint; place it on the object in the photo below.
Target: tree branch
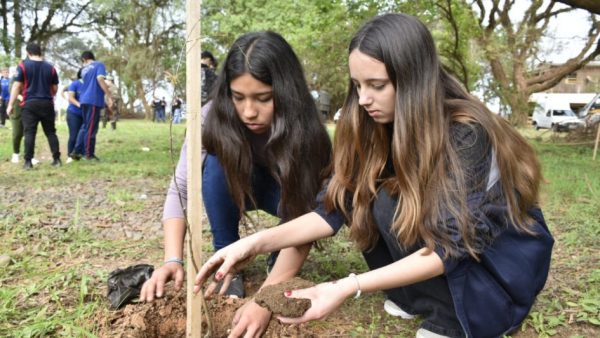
(592, 6)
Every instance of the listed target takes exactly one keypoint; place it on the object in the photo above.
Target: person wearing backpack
(208, 76)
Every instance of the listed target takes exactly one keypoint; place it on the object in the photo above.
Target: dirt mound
(162, 318)
(166, 317)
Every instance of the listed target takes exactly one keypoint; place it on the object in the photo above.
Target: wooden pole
(194, 146)
(597, 140)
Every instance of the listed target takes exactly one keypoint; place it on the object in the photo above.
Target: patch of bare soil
(166, 317)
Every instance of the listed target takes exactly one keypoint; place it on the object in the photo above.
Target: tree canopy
(492, 46)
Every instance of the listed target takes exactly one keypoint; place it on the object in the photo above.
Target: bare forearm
(174, 229)
(103, 85)
(300, 231)
(419, 266)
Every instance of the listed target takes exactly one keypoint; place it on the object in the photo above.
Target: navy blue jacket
(494, 296)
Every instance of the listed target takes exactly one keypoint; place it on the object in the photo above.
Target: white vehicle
(558, 117)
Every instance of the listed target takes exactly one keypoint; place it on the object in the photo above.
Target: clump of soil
(273, 298)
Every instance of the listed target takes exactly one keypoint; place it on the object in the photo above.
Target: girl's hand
(225, 263)
(325, 298)
(251, 320)
(154, 287)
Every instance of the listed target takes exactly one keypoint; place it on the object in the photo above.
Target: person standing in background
(37, 82)
(93, 90)
(112, 110)
(17, 127)
(74, 115)
(208, 75)
(176, 110)
(4, 95)
(162, 109)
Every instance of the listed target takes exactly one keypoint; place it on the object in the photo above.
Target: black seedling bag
(124, 285)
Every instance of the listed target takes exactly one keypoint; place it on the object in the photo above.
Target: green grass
(571, 203)
(55, 284)
(122, 153)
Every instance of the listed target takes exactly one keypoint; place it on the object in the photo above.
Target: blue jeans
(223, 214)
(177, 115)
(160, 115)
(74, 121)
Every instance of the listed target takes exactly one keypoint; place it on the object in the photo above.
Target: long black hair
(298, 149)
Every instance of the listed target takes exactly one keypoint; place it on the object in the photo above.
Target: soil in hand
(273, 298)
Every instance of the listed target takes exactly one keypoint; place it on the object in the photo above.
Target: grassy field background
(62, 230)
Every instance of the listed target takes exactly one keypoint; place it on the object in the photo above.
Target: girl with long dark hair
(266, 148)
(439, 193)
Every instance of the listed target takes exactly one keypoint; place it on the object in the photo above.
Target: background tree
(451, 25)
(589, 5)
(145, 38)
(512, 49)
(494, 46)
(41, 20)
(319, 32)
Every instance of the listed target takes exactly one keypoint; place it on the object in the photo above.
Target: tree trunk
(519, 107)
(4, 37)
(18, 29)
(141, 94)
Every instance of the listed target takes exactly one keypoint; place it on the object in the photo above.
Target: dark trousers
(3, 116)
(74, 122)
(430, 299)
(223, 214)
(86, 138)
(17, 128)
(34, 112)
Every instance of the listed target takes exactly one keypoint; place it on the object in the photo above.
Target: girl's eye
(237, 98)
(378, 86)
(265, 99)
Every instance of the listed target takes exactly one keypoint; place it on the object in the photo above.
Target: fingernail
(288, 293)
(219, 275)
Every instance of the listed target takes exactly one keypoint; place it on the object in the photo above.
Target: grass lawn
(62, 230)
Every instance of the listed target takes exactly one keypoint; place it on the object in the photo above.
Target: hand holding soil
(273, 298)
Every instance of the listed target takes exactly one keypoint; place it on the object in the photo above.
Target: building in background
(576, 90)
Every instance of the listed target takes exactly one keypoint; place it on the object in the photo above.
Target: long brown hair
(428, 177)
(298, 148)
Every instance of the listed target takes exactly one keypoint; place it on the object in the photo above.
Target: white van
(556, 116)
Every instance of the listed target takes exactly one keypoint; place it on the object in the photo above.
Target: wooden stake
(194, 146)
(597, 140)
